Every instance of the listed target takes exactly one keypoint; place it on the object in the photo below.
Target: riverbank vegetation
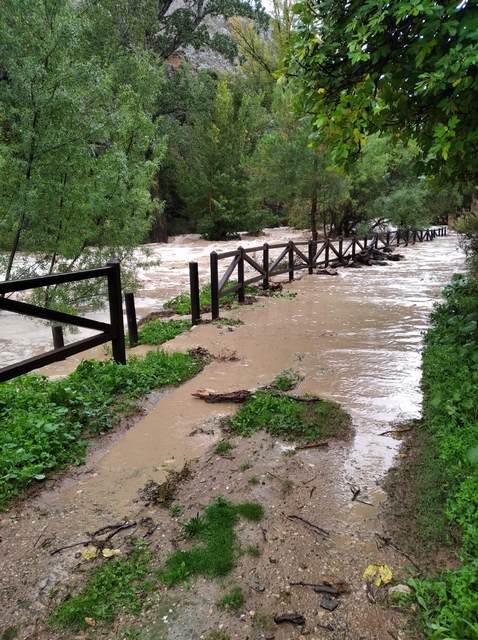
(447, 482)
(49, 422)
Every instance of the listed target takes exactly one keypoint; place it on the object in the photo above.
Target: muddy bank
(356, 340)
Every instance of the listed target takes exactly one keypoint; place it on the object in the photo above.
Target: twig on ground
(393, 431)
(312, 445)
(388, 542)
(315, 527)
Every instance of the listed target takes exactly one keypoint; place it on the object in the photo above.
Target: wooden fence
(112, 332)
(292, 257)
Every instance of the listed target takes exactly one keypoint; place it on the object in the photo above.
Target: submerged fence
(112, 332)
(292, 257)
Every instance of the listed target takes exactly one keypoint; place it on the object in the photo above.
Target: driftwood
(241, 395)
(397, 431)
(293, 618)
(313, 445)
(231, 396)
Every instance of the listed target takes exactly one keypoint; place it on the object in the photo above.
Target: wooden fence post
(241, 294)
(57, 333)
(353, 247)
(387, 239)
(326, 252)
(116, 312)
(131, 319)
(312, 252)
(398, 237)
(265, 265)
(290, 254)
(214, 286)
(341, 249)
(365, 240)
(194, 293)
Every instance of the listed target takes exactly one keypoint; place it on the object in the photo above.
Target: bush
(449, 602)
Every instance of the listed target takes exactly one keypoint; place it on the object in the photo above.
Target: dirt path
(356, 340)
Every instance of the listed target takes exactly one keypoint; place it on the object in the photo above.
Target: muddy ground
(355, 338)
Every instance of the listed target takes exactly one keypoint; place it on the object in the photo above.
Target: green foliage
(253, 550)
(449, 602)
(232, 601)
(289, 419)
(402, 67)
(217, 549)
(114, 586)
(181, 304)
(223, 447)
(46, 422)
(159, 331)
(286, 380)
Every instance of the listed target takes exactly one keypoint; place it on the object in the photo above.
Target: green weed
(253, 481)
(286, 380)
(116, 585)
(47, 422)
(223, 447)
(217, 549)
(232, 601)
(289, 419)
(253, 550)
(159, 331)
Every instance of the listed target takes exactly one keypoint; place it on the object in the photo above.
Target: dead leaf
(90, 552)
(91, 622)
(378, 573)
(109, 553)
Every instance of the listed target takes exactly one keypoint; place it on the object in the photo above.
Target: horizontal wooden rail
(112, 331)
(291, 259)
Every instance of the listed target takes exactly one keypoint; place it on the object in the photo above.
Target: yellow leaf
(90, 552)
(91, 622)
(109, 553)
(321, 90)
(379, 573)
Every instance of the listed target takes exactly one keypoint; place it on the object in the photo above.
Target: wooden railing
(113, 331)
(292, 257)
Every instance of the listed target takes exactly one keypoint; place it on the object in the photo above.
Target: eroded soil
(356, 340)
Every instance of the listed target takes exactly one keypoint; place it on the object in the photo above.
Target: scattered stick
(388, 542)
(93, 539)
(355, 492)
(320, 587)
(311, 479)
(315, 527)
(393, 431)
(312, 445)
(232, 396)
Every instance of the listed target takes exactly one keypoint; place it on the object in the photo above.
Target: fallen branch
(315, 527)
(231, 396)
(93, 539)
(313, 445)
(393, 431)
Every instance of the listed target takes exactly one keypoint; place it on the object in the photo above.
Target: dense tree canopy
(405, 67)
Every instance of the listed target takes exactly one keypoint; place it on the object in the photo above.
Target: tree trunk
(159, 230)
(313, 206)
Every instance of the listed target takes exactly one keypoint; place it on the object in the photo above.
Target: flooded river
(22, 337)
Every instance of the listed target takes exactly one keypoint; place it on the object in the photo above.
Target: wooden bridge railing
(292, 256)
(113, 331)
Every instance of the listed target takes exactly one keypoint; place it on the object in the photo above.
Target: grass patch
(446, 467)
(181, 304)
(232, 601)
(290, 419)
(159, 331)
(286, 380)
(223, 448)
(253, 481)
(253, 550)
(114, 586)
(217, 549)
(46, 423)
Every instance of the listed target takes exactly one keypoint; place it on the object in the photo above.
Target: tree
(76, 126)
(210, 158)
(403, 67)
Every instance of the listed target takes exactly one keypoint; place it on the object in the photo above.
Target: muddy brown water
(355, 337)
